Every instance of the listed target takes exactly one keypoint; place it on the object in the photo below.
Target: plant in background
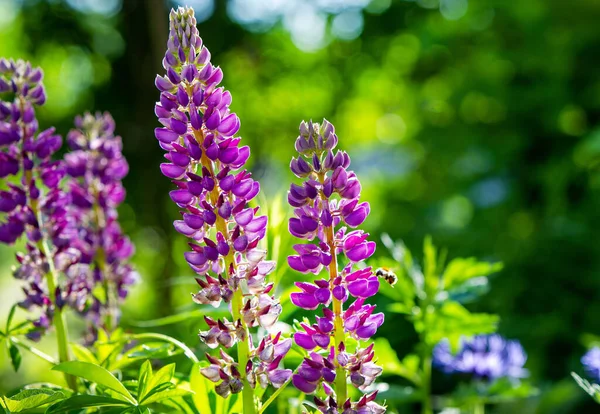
(213, 190)
(96, 167)
(36, 205)
(591, 365)
(493, 366)
(326, 204)
(432, 299)
(76, 255)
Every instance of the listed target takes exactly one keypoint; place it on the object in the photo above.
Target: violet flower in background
(96, 166)
(591, 363)
(205, 162)
(487, 357)
(69, 231)
(35, 204)
(326, 204)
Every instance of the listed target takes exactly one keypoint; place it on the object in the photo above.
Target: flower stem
(341, 390)
(243, 345)
(272, 397)
(479, 408)
(51, 277)
(243, 351)
(62, 336)
(150, 335)
(237, 301)
(33, 350)
(426, 383)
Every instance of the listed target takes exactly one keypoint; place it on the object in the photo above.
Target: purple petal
(303, 385)
(304, 340)
(304, 300)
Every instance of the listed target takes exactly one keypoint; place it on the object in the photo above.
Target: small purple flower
(483, 356)
(591, 363)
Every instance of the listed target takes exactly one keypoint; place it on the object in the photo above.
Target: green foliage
(592, 389)
(95, 374)
(33, 398)
(151, 388)
(430, 298)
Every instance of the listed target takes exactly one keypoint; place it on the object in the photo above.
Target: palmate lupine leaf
(29, 399)
(96, 374)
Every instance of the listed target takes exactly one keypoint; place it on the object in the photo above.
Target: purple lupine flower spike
(35, 205)
(484, 357)
(96, 167)
(206, 162)
(325, 205)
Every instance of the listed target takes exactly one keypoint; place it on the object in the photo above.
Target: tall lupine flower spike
(205, 162)
(36, 205)
(326, 204)
(486, 357)
(96, 166)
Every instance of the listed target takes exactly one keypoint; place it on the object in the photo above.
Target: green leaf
(452, 320)
(150, 350)
(460, 270)
(177, 318)
(96, 374)
(592, 389)
(470, 290)
(202, 387)
(143, 379)
(167, 394)
(28, 399)
(399, 308)
(83, 354)
(430, 265)
(15, 355)
(163, 375)
(77, 402)
(391, 364)
(11, 314)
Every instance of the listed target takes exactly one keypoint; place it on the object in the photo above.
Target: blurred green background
(476, 121)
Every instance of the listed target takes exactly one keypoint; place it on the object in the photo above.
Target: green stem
(51, 278)
(272, 397)
(426, 383)
(33, 350)
(479, 408)
(62, 335)
(237, 301)
(243, 351)
(186, 351)
(426, 350)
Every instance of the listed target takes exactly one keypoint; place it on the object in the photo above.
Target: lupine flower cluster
(42, 215)
(591, 363)
(96, 166)
(326, 204)
(485, 357)
(205, 162)
(39, 206)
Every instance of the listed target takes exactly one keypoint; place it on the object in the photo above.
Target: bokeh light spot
(391, 128)
(453, 9)
(347, 25)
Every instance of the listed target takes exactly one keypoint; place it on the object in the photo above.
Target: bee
(387, 275)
